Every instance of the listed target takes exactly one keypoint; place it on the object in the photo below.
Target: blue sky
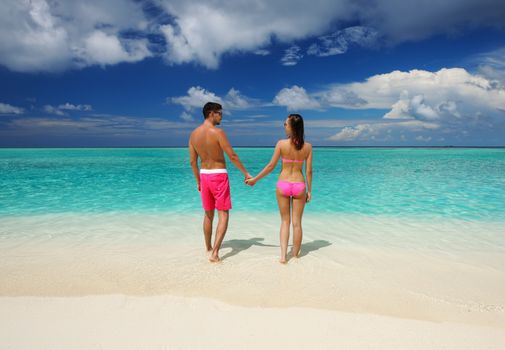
(137, 73)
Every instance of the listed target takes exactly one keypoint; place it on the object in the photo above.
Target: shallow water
(452, 183)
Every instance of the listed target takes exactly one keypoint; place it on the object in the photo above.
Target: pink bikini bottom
(291, 189)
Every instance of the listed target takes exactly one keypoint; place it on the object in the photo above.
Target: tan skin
(291, 172)
(209, 144)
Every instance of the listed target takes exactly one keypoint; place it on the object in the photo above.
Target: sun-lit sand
(143, 281)
(167, 322)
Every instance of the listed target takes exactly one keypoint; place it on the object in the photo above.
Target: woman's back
(292, 161)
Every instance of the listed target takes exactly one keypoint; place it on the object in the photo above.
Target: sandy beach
(143, 281)
(167, 322)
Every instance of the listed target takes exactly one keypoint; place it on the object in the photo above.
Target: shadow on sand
(313, 246)
(239, 245)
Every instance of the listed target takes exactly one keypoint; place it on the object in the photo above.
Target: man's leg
(222, 226)
(207, 228)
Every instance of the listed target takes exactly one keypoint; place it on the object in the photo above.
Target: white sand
(167, 322)
(143, 281)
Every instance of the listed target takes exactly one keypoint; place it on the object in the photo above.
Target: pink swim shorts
(215, 189)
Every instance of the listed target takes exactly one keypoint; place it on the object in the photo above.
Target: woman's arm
(308, 172)
(269, 167)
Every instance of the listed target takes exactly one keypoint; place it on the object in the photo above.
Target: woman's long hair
(297, 136)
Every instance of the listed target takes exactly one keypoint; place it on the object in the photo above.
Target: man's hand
(251, 181)
(247, 177)
(198, 186)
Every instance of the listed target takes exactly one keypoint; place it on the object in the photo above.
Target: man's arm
(225, 145)
(193, 160)
(269, 167)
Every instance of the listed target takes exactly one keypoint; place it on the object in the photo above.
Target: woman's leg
(298, 206)
(284, 209)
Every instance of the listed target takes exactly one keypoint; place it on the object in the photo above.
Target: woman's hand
(251, 181)
(308, 197)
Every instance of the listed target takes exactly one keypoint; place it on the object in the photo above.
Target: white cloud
(41, 35)
(106, 49)
(416, 108)
(197, 97)
(60, 110)
(339, 41)
(367, 131)
(449, 91)
(6, 108)
(446, 101)
(292, 56)
(187, 117)
(491, 65)
(49, 35)
(295, 98)
(202, 32)
(262, 52)
(97, 124)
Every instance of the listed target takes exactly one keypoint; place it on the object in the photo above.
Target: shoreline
(439, 271)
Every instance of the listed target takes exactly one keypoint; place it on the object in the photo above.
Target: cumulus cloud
(367, 131)
(339, 41)
(197, 97)
(201, 31)
(52, 35)
(292, 56)
(60, 110)
(41, 35)
(295, 98)
(413, 94)
(451, 99)
(106, 49)
(6, 108)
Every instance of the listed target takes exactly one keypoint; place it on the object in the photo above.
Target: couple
(210, 143)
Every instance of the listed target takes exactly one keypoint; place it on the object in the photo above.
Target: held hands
(251, 181)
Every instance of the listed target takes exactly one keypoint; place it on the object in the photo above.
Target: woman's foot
(283, 260)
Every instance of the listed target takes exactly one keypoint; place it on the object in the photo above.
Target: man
(209, 143)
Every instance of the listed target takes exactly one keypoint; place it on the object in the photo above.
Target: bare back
(206, 142)
(292, 171)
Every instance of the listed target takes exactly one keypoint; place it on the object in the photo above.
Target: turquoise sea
(462, 183)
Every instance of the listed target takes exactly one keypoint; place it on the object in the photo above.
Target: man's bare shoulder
(219, 133)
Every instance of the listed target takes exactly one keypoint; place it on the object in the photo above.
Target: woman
(291, 189)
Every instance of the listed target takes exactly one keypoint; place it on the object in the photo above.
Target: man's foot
(214, 258)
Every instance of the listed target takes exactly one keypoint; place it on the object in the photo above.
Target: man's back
(206, 142)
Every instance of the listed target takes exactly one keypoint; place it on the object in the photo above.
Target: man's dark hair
(211, 107)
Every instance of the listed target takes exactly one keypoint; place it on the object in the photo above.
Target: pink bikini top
(292, 160)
